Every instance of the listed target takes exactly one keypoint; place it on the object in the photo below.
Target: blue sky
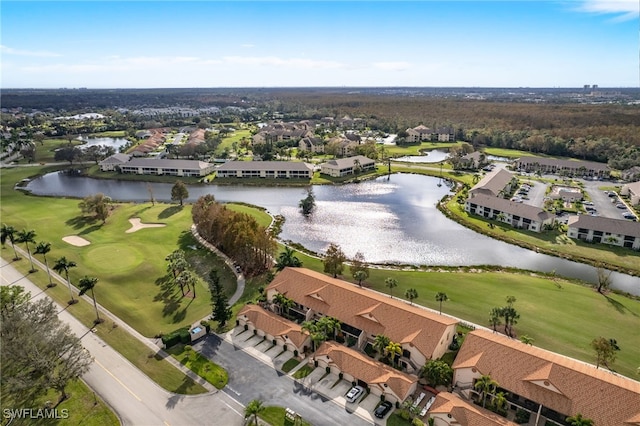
(505, 43)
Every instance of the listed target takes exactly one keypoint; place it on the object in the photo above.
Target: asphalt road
(135, 398)
(250, 379)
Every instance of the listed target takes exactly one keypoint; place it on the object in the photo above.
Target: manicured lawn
(262, 217)
(82, 406)
(511, 153)
(233, 137)
(561, 316)
(150, 363)
(133, 281)
(303, 371)
(396, 420)
(275, 417)
(203, 367)
(290, 364)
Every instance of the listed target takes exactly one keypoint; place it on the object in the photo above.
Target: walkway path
(132, 395)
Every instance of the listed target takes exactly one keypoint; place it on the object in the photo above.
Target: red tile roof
(560, 383)
(274, 324)
(465, 413)
(364, 309)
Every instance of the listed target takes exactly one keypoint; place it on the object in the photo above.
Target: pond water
(390, 219)
(115, 143)
(434, 156)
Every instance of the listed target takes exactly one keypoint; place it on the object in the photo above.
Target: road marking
(118, 380)
(166, 423)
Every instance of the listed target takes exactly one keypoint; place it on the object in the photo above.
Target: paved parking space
(328, 387)
(370, 403)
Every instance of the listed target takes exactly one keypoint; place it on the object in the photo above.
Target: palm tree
(411, 294)
(283, 302)
(88, 283)
(360, 276)
(329, 325)
(188, 279)
(392, 350)
(391, 283)
(63, 264)
(287, 258)
(578, 420)
(43, 248)
(9, 233)
(380, 343)
(27, 237)
(494, 318)
(316, 334)
(441, 297)
(500, 401)
(485, 385)
(254, 408)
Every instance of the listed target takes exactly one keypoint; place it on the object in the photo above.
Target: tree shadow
(168, 295)
(90, 229)
(210, 346)
(79, 222)
(619, 306)
(169, 211)
(182, 313)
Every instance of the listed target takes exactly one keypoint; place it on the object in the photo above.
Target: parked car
(621, 206)
(383, 409)
(355, 393)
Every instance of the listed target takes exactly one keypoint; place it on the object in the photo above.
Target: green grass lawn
(150, 363)
(202, 366)
(560, 315)
(82, 407)
(399, 151)
(262, 217)
(228, 141)
(275, 416)
(290, 364)
(304, 371)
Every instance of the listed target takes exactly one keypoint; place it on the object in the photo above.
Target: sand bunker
(137, 225)
(74, 240)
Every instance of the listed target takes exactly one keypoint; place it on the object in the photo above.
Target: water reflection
(114, 143)
(434, 156)
(391, 219)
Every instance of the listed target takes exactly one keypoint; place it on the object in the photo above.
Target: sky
(428, 43)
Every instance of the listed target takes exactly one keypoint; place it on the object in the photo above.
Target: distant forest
(553, 123)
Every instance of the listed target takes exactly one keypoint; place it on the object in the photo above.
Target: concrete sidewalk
(152, 344)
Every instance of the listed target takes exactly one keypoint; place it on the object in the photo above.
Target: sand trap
(137, 225)
(74, 240)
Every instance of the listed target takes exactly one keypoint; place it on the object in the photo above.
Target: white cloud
(5, 50)
(392, 66)
(625, 9)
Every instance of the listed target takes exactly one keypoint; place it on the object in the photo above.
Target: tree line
(238, 235)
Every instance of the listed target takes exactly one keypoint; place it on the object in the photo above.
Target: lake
(390, 219)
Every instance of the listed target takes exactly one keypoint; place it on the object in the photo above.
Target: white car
(355, 393)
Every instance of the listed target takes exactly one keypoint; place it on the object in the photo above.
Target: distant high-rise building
(595, 87)
(587, 86)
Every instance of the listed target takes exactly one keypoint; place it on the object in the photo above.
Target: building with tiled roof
(419, 134)
(358, 367)
(265, 169)
(597, 229)
(156, 166)
(494, 183)
(347, 166)
(365, 314)
(449, 409)
(286, 333)
(518, 215)
(548, 385)
(311, 144)
(111, 163)
(632, 190)
(561, 166)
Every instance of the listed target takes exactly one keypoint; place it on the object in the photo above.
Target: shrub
(206, 325)
(180, 335)
(295, 352)
(522, 416)
(327, 369)
(404, 414)
(188, 348)
(340, 375)
(417, 422)
(382, 397)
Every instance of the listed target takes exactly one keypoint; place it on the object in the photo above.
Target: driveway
(255, 378)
